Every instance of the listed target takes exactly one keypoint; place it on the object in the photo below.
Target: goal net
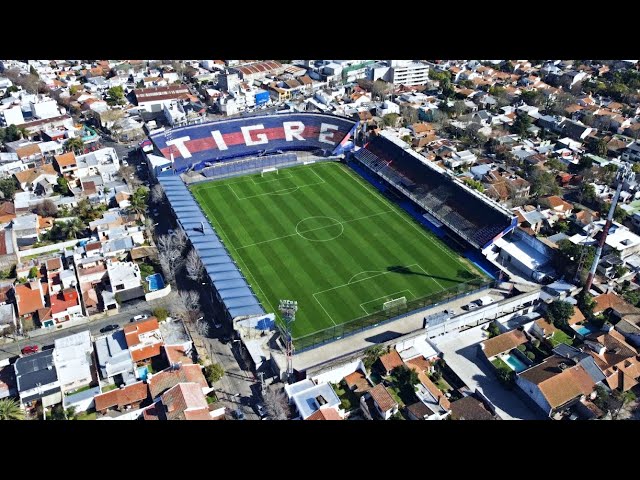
(395, 304)
(269, 170)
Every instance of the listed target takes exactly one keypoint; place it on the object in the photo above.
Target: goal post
(394, 304)
(269, 170)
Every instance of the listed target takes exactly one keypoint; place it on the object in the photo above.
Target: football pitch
(323, 236)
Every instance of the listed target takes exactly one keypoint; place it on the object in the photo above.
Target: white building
(45, 109)
(123, 275)
(409, 73)
(387, 107)
(458, 159)
(73, 358)
(13, 116)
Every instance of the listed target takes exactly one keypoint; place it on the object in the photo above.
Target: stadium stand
(244, 166)
(457, 207)
(230, 286)
(199, 146)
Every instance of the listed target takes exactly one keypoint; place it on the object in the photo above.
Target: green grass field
(321, 235)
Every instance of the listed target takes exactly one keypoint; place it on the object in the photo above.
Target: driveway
(460, 352)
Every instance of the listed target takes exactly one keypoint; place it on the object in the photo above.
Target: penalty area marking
(384, 296)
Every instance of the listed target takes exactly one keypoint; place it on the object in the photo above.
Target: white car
(139, 317)
(125, 163)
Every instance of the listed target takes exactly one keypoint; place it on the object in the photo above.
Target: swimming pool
(586, 329)
(155, 282)
(515, 364)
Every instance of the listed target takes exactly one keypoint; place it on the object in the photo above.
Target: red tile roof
(132, 331)
(177, 354)
(64, 300)
(66, 159)
(328, 413)
(54, 264)
(503, 343)
(391, 360)
(166, 379)
(383, 398)
(150, 351)
(122, 397)
(28, 300)
(357, 379)
(185, 401)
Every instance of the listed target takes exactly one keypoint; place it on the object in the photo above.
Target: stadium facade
(243, 145)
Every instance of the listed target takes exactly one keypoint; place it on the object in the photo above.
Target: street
(36, 338)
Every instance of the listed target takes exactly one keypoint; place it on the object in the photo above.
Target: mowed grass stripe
(287, 265)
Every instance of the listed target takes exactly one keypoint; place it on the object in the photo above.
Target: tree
(521, 125)
(475, 184)
(33, 272)
(138, 201)
(562, 226)
(493, 330)
(585, 163)
(599, 147)
(275, 403)
(62, 186)
(169, 255)
(194, 266)
(544, 183)
(532, 97)
(115, 95)
(406, 377)
(459, 108)
(46, 208)
(75, 145)
(380, 89)
(186, 306)
(586, 304)
(10, 410)
(624, 398)
(390, 119)
(160, 313)
(507, 67)
(409, 115)
(588, 193)
(372, 354)
(156, 195)
(559, 313)
(74, 227)
(8, 188)
(213, 372)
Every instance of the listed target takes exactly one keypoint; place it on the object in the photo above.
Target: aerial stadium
(357, 229)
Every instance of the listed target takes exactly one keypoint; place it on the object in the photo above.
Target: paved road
(460, 352)
(12, 349)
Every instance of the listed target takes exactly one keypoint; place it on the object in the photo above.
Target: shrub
(160, 313)
(522, 348)
(530, 355)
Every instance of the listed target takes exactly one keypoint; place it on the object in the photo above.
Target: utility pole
(288, 309)
(624, 173)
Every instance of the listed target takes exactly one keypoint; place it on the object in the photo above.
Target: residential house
(458, 159)
(326, 413)
(389, 361)
(30, 302)
(114, 358)
(37, 379)
(502, 186)
(555, 384)
(617, 359)
(542, 329)
(378, 403)
(561, 208)
(530, 219)
(308, 397)
(7, 212)
(126, 398)
(162, 381)
(28, 179)
(125, 280)
(471, 408)
(503, 344)
(73, 358)
(66, 164)
(184, 401)
(420, 411)
(427, 391)
(144, 339)
(357, 382)
(25, 230)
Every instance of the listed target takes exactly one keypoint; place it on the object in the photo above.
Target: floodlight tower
(624, 173)
(288, 309)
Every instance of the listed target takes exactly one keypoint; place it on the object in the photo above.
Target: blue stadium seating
(470, 217)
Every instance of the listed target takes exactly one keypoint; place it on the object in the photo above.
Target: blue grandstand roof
(223, 272)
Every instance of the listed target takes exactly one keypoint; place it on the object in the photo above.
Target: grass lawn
(82, 389)
(108, 388)
(321, 235)
(348, 399)
(560, 337)
(86, 416)
(501, 365)
(443, 385)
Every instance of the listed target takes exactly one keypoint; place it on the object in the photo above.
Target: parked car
(109, 328)
(139, 317)
(261, 411)
(237, 414)
(27, 349)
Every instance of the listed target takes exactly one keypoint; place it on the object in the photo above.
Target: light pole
(288, 309)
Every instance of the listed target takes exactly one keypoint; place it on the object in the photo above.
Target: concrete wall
(338, 372)
(58, 247)
(158, 293)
